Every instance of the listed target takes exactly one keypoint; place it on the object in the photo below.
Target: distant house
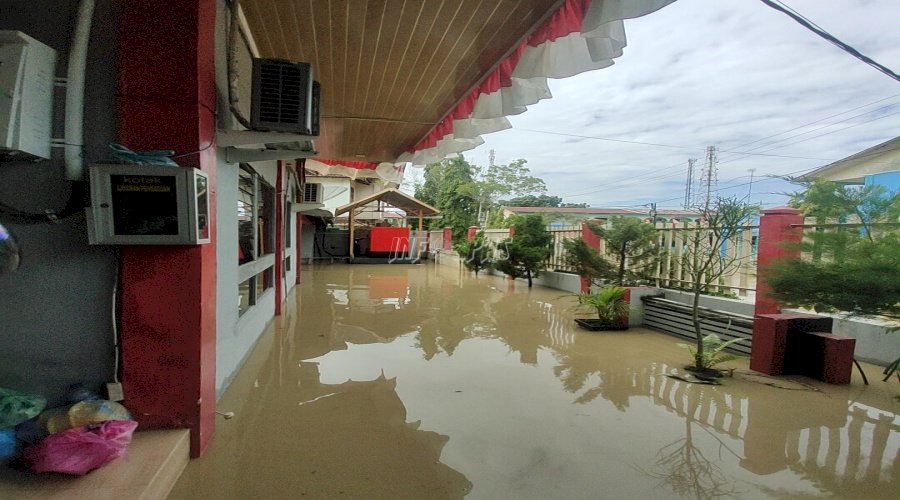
(878, 165)
(573, 216)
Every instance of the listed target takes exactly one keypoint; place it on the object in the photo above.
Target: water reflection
(445, 384)
(786, 441)
(294, 435)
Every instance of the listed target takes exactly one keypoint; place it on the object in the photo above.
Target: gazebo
(392, 241)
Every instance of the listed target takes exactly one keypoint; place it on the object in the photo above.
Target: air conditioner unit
(284, 97)
(27, 70)
(312, 193)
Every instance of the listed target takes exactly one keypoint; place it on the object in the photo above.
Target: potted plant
(610, 306)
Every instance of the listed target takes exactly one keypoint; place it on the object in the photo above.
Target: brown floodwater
(400, 381)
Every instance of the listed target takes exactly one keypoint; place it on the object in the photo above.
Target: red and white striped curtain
(583, 35)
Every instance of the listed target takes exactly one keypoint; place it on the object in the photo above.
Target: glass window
(256, 234)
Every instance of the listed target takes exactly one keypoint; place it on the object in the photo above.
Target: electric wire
(806, 23)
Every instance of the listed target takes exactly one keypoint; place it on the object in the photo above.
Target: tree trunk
(695, 319)
(528, 275)
(622, 254)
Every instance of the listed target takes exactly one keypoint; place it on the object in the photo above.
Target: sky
(734, 74)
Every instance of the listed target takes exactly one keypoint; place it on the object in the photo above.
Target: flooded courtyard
(411, 381)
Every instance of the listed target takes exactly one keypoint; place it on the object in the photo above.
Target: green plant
(631, 243)
(705, 260)
(476, 254)
(586, 261)
(711, 354)
(609, 304)
(527, 250)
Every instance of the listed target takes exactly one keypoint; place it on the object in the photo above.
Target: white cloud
(713, 72)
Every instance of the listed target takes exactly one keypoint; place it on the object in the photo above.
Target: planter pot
(596, 325)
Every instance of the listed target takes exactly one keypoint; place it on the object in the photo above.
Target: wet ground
(418, 382)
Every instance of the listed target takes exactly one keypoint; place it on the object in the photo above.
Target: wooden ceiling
(390, 69)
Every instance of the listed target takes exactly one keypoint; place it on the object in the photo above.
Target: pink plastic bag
(82, 449)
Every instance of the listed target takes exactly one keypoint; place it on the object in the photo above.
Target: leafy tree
(477, 254)
(445, 187)
(705, 262)
(574, 205)
(632, 244)
(527, 250)
(496, 220)
(532, 200)
(587, 261)
(497, 181)
(854, 269)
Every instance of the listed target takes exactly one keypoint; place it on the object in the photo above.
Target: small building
(559, 217)
(876, 166)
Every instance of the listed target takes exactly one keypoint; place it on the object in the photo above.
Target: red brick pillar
(776, 237)
(448, 238)
(167, 100)
(594, 242)
(470, 234)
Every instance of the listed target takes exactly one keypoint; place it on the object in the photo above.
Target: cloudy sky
(733, 74)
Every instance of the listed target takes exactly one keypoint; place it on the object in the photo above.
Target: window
(256, 237)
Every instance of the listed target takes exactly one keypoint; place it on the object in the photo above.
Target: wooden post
(352, 224)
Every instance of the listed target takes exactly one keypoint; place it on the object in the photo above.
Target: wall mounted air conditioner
(27, 70)
(312, 193)
(284, 97)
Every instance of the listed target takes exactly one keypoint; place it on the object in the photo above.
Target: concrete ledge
(154, 462)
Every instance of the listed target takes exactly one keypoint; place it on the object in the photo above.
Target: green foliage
(445, 187)
(851, 269)
(499, 180)
(477, 254)
(711, 352)
(496, 220)
(532, 200)
(609, 304)
(527, 250)
(705, 261)
(587, 261)
(632, 243)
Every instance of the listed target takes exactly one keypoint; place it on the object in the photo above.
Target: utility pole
(689, 184)
(750, 190)
(710, 174)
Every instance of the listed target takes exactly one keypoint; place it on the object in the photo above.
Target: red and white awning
(583, 35)
(390, 172)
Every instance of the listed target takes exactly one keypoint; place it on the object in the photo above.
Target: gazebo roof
(394, 198)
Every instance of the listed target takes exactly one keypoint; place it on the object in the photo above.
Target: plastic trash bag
(62, 418)
(80, 450)
(8, 444)
(17, 407)
(89, 412)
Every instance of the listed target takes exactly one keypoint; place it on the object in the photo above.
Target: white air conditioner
(27, 71)
(284, 97)
(312, 193)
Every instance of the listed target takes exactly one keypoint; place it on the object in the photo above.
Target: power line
(806, 23)
(823, 119)
(693, 148)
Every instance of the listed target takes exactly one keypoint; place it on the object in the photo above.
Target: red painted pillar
(470, 234)
(280, 178)
(592, 241)
(776, 237)
(167, 100)
(448, 238)
(299, 246)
